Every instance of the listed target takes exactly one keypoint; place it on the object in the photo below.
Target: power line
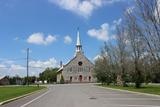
(14, 59)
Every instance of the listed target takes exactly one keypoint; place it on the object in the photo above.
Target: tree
(122, 53)
(49, 74)
(135, 54)
(104, 67)
(148, 11)
(137, 47)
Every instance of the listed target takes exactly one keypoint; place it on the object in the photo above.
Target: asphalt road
(84, 95)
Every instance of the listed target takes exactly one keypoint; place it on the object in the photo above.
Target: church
(79, 69)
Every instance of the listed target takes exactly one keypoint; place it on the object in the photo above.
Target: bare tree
(137, 47)
(122, 53)
(147, 12)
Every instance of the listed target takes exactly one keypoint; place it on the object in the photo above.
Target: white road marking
(134, 92)
(137, 106)
(140, 99)
(35, 99)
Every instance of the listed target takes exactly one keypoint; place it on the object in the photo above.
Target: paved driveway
(85, 95)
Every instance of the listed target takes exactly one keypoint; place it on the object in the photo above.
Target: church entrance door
(70, 79)
(89, 78)
(80, 78)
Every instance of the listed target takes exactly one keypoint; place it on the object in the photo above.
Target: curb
(25, 95)
(140, 93)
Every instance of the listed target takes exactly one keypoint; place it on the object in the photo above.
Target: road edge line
(24, 105)
(19, 97)
(140, 93)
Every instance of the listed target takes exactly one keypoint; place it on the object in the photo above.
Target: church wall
(73, 70)
(58, 77)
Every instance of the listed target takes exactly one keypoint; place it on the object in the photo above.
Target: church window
(80, 69)
(68, 69)
(80, 63)
(71, 69)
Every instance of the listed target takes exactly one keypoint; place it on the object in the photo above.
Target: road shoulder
(140, 93)
(19, 97)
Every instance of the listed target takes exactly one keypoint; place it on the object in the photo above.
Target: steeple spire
(78, 45)
(78, 38)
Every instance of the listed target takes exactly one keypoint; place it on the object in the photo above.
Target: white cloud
(67, 39)
(40, 39)
(81, 7)
(105, 32)
(52, 62)
(97, 57)
(35, 67)
(129, 10)
(16, 38)
(16, 67)
(117, 22)
(100, 34)
(2, 66)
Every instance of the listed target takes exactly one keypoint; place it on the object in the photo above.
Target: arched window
(71, 69)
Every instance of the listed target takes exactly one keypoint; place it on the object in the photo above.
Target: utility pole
(28, 66)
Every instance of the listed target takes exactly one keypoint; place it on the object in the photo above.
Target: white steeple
(78, 39)
(78, 45)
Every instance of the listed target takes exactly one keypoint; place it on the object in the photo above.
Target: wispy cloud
(67, 39)
(52, 62)
(16, 38)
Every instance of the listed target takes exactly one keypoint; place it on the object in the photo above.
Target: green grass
(150, 89)
(8, 92)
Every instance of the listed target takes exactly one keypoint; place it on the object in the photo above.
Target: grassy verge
(150, 89)
(7, 92)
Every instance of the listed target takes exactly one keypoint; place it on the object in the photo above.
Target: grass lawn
(150, 89)
(8, 92)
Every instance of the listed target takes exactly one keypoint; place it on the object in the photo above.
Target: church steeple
(78, 44)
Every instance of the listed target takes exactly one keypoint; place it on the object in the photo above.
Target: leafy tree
(49, 74)
(102, 72)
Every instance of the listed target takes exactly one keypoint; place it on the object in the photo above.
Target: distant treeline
(49, 75)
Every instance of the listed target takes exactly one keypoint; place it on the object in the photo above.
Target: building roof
(2, 77)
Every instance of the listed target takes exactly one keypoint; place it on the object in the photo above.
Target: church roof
(75, 58)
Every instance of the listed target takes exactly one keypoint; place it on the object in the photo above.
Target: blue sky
(49, 27)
